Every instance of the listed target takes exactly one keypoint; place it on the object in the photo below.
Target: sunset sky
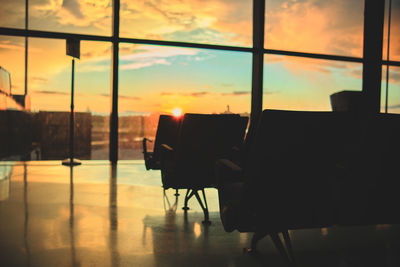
(158, 79)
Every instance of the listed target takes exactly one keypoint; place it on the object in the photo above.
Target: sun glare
(177, 112)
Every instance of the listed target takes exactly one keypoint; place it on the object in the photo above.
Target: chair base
(285, 248)
(195, 192)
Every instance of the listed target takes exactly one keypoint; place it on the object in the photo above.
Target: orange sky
(155, 78)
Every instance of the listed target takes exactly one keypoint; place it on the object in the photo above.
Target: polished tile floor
(102, 215)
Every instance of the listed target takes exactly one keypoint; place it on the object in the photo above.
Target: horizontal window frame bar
(53, 35)
(87, 37)
(313, 55)
(186, 45)
(325, 56)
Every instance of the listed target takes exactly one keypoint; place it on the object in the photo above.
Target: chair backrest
(203, 138)
(167, 133)
(292, 156)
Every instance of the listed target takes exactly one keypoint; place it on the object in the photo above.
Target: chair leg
(165, 198)
(189, 194)
(177, 193)
(288, 244)
(286, 253)
(279, 245)
(257, 236)
(203, 206)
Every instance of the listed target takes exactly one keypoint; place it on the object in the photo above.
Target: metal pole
(26, 48)
(71, 161)
(388, 51)
(72, 115)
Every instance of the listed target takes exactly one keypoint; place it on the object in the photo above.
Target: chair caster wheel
(185, 208)
(249, 251)
(177, 194)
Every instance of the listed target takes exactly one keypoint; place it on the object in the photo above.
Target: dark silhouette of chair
(311, 170)
(167, 133)
(203, 138)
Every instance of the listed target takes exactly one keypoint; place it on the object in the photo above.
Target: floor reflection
(113, 217)
(54, 215)
(26, 217)
(71, 217)
(5, 174)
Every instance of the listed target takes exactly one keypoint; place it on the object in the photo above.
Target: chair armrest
(227, 172)
(167, 148)
(144, 145)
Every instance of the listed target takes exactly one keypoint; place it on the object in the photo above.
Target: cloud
(191, 94)
(236, 93)
(207, 21)
(396, 106)
(8, 44)
(394, 76)
(205, 93)
(146, 56)
(73, 7)
(142, 64)
(124, 97)
(40, 80)
(49, 92)
(130, 97)
(330, 27)
(93, 17)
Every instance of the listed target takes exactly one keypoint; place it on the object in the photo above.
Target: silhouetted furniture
(203, 138)
(312, 169)
(346, 101)
(167, 133)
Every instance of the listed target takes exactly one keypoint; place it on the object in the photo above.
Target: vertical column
(26, 47)
(374, 11)
(258, 60)
(114, 80)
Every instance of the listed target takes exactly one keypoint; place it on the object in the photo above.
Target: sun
(177, 112)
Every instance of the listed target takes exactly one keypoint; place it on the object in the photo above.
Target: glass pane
(44, 133)
(393, 90)
(13, 118)
(394, 32)
(50, 84)
(224, 22)
(157, 79)
(316, 26)
(72, 16)
(12, 14)
(12, 59)
(292, 83)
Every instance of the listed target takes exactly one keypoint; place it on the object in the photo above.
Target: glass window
(315, 26)
(50, 89)
(224, 22)
(12, 59)
(72, 16)
(393, 90)
(395, 31)
(293, 83)
(12, 14)
(158, 79)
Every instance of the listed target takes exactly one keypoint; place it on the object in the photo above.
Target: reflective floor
(102, 215)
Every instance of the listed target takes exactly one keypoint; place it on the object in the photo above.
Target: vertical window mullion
(258, 59)
(114, 81)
